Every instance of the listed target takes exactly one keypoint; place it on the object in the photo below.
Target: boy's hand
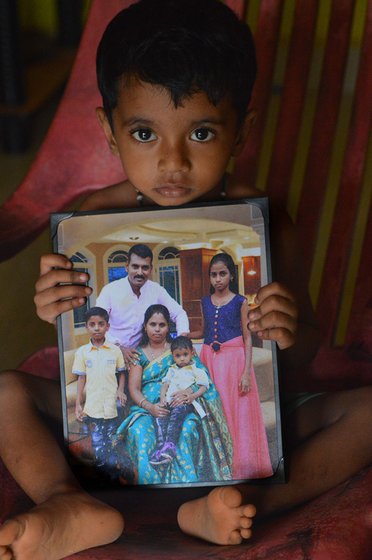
(79, 412)
(122, 397)
(275, 318)
(181, 397)
(59, 288)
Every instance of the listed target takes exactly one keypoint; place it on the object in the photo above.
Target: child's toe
(246, 522)
(248, 510)
(236, 536)
(246, 533)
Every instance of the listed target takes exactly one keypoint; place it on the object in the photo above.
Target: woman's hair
(150, 311)
(230, 265)
(185, 46)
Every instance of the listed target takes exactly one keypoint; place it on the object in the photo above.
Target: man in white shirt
(127, 299)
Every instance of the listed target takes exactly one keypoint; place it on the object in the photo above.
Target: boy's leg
(161, 427)
(175, 422)
(109, 460)
(331, 439)
(97, 432)
(61, 522)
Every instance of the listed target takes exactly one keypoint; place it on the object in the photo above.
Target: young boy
(96, 365)
(182, 375)
(176, 77)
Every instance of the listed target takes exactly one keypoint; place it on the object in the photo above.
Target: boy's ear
(106, 127)
(244, 131)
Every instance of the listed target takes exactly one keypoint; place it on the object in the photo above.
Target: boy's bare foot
(219, 517)
(63, 525)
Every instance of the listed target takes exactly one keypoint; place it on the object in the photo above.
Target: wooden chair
(309, 151)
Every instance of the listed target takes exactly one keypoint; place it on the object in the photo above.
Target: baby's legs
(168, 430)
(62, 521)
(176, 420)
(331, 439)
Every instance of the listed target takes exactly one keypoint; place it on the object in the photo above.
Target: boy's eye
(143, 135)
(202, 134)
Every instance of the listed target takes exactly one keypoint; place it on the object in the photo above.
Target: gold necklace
(154, 355)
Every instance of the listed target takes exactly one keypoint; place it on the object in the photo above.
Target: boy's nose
(174, 157)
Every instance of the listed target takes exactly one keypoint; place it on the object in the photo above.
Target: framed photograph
(162, 381)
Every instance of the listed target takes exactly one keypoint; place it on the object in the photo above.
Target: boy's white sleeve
(201, 378)
(168, 376)
(78, 367)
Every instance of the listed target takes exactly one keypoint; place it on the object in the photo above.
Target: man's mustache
(139, 276)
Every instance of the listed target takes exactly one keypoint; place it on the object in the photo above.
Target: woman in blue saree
(204, 448)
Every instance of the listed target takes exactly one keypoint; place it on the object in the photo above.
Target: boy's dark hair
(140, 250)
(186, 46)
(99, 311)
(181, 342)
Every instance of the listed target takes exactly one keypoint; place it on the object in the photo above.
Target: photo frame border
(280, 473)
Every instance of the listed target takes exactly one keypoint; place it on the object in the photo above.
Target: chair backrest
(308, 150)
(310, 146)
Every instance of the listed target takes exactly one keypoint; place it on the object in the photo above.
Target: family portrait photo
(163, 383)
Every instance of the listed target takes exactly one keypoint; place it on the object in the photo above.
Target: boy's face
(97, 328)
(182, 356)
(172, 155)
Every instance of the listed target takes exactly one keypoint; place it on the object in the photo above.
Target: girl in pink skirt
(227, 353)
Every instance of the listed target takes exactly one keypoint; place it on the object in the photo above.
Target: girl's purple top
(221, 323)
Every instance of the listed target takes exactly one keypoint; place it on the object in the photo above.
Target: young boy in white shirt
(182, 375)
(97, 365)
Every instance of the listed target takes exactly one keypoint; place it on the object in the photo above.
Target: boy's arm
(121, 386)
(163, 392)
(197, 394)
(79, 398)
